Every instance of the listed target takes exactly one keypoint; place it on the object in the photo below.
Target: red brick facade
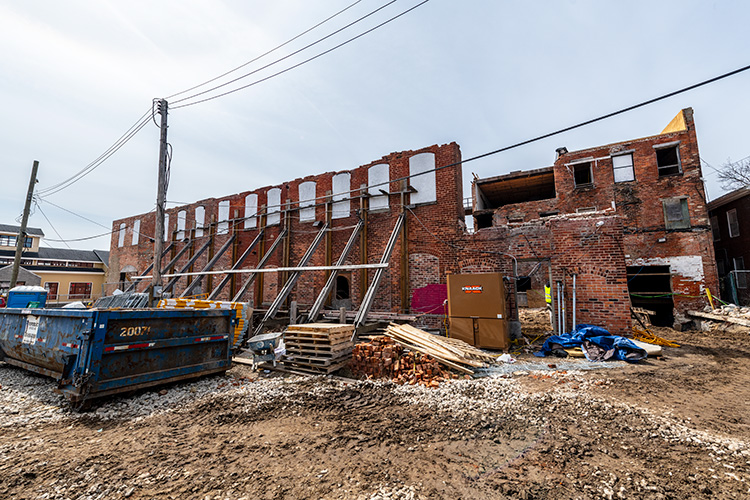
(644, 196)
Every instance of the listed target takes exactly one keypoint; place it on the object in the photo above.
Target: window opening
(274, 206)
(136, 231)
(121, 236)
(622, 165)
(668, 160)
(715, 228)
(223, 227)
(181, 221)
(341, 195)
(582, 174)
(734, 223)
(425, 183)
(378, 174)
(306, 192)
(200, 220)
(251, 209)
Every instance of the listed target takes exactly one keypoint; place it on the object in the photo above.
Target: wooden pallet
(315, 369)
(318, 347)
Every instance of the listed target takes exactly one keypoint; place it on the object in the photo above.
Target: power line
(267, 52)
(286, 56)
(73, 213)
(51, 225)
(82, 239)
(293, 66)
(127, 136)
(528, 141)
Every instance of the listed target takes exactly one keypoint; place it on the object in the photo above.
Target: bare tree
(735, 175)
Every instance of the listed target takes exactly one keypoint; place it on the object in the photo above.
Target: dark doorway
(342, 288)
(650, 287)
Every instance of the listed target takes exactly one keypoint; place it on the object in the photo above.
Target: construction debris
(383, 357)
(318, 347)
(728, 314)
(453, 353)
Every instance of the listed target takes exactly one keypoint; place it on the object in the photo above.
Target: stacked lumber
(318, 347)
(453, 353)
(383, 357)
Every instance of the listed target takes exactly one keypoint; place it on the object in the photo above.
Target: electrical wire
(127, 136)
(52, 226)
(267, 52)
(83, 239)
(71, 212)
(293, 66)
(529, 141)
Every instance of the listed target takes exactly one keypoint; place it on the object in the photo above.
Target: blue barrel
(93, 353)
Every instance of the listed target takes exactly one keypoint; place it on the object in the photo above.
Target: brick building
(548, 223)
(652, 185)
(730, 221)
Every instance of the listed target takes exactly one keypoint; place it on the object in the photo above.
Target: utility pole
(22, 231)
(161, 197)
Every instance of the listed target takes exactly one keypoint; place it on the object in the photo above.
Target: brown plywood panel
(492, 334)
(461, 329)
(480, 295)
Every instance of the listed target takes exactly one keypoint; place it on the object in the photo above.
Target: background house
(730, 222)
(68, 274)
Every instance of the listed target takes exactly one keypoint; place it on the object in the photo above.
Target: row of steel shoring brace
(197, 281)
(293, 277)
(215, 292)
(261, 264)
(190, 262)
(326, 291)
(132, 287)
(364, 308)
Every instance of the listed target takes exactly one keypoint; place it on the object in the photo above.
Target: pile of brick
(383, 357)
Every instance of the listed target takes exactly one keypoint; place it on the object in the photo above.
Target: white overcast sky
(75, 75)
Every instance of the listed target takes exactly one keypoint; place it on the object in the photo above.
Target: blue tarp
(596, 343)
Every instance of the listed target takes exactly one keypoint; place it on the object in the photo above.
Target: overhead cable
(127, 136)
(293, 66)
(265, 53)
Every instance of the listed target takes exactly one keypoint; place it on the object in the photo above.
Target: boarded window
(668, 160)
(181, 221)
(582, 174)
(734, 223)
(715, 228)
(274, 207)
(251, 211)
(223, 218)
(676, 215)
(378, 174)
(136, 231)
(200, 220)
(622, 165)
(425, 183)
(307, 201)
(341, 187)
(121, 235)
(166, 227)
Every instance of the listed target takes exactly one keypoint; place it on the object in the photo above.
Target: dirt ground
(676, 427)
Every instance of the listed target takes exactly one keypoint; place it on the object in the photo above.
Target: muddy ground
(676, 427)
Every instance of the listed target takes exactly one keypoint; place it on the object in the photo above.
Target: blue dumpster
(27, 296)
(93, 353)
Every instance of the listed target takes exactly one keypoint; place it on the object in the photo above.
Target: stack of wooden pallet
(452, 353)
(318, 347)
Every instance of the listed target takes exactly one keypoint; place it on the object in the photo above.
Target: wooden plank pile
(453, 353)
(383, 357)
(318, 347)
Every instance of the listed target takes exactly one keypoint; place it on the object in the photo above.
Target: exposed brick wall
(640, 204)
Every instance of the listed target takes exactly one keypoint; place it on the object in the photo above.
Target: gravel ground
(525, 430)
